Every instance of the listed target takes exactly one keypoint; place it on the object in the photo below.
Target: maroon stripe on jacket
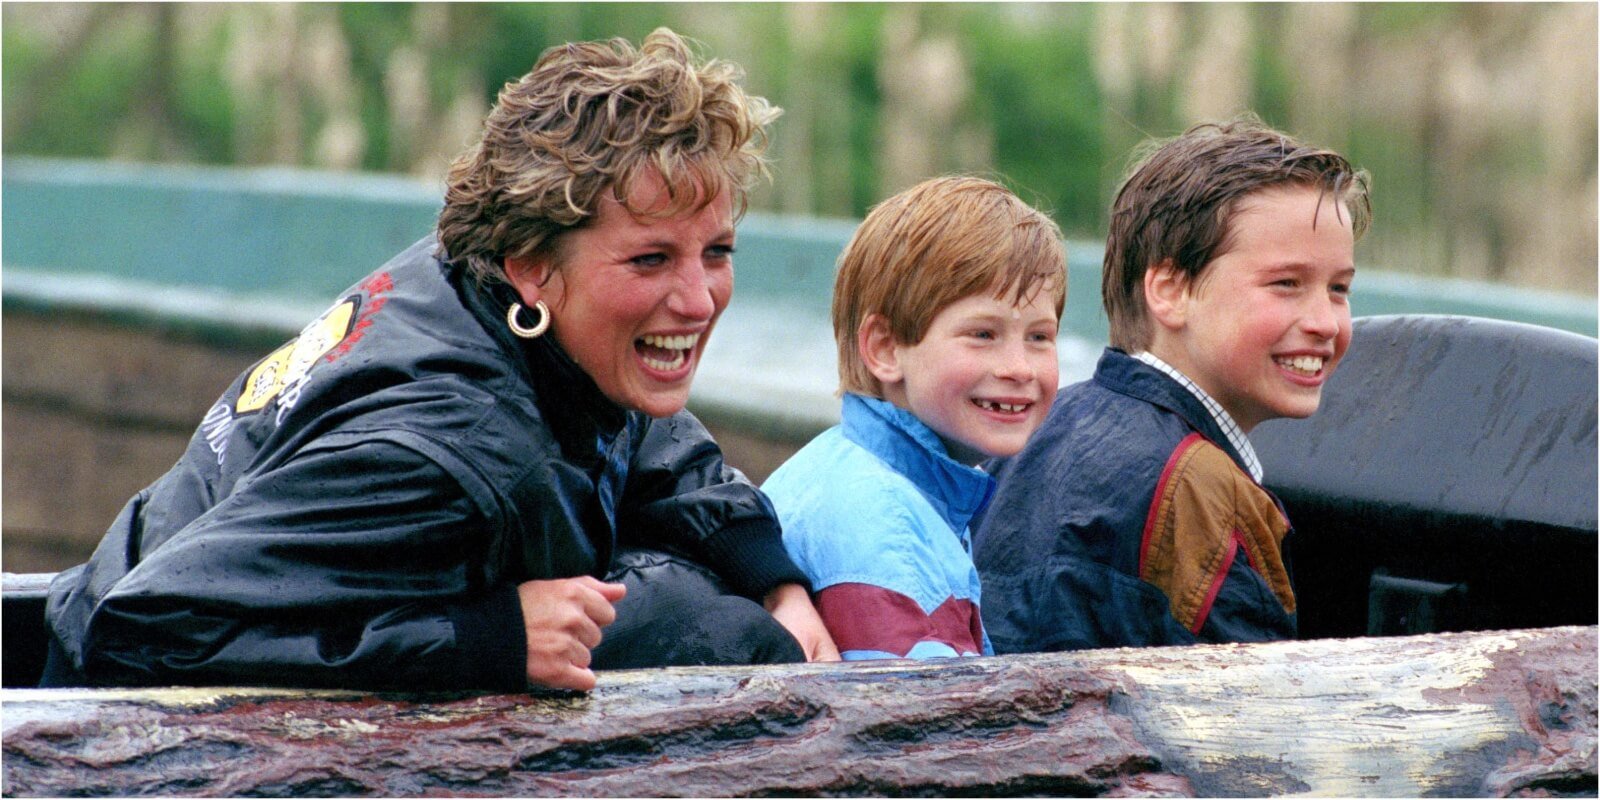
(864, 617)
(1235, 547)
(1156, 506)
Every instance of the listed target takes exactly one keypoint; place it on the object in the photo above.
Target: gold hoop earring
(526, 332)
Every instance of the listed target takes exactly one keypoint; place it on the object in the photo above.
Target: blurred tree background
(1478, 121)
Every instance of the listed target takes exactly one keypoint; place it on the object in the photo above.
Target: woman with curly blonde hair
(479, 456)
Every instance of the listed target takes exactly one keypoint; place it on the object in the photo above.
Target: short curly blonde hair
(592, 116)
(938, 242)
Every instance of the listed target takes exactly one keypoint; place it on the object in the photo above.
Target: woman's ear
(878, 351)
(1166, 294)
(529, 276)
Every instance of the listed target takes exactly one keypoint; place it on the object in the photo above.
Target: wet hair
(595, 116)
(1179, 201)
(938, 242)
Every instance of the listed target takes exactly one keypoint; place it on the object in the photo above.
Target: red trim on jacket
(1161, 488)
(1235, 544)
(865, 617)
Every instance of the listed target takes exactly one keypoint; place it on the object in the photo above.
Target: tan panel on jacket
(1204, 504)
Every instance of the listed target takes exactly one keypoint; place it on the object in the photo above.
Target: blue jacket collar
(958, 492)
(1124, 374)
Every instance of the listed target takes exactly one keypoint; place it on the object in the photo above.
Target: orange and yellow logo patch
(289, 364)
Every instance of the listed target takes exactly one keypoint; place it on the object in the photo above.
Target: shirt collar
(1236, 437)
(957, 491)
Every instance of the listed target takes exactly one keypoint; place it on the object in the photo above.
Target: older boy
(1136, 516)
(945, 311)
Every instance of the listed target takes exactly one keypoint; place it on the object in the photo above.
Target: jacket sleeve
(882, 587)
(360, 565)
(870, 622)
(1212, 543)
(1245, 610)
(681, 495)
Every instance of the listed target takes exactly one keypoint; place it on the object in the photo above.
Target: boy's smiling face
(1268, 320)
(983, 376)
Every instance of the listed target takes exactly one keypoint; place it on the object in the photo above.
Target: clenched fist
(562, 619)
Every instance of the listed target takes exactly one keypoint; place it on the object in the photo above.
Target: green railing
(257, 252)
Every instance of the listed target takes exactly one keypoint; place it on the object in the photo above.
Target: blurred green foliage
(1439, 101)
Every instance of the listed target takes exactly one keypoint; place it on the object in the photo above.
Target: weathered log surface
(1479, 714)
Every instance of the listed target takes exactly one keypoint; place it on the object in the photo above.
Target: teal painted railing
(264, 249)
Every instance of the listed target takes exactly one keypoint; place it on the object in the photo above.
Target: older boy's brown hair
(933, 244)
(1178, 203)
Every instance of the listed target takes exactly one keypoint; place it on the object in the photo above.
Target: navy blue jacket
(1129, 520)
(358, 507)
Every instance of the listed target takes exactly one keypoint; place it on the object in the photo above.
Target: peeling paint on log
(1479, 714)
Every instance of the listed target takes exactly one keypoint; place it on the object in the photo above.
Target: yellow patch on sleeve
(265, 381)
(290, 363)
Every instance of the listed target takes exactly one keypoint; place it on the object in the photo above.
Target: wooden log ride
(1458, 714)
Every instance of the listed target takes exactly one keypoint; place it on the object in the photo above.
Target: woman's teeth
(683, 342)
(1304, 365)
(667, 353)
(1004, 408)
(667, 366)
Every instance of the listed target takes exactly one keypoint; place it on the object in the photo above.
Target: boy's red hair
(933, 244)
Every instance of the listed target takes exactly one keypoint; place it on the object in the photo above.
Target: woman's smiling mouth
(666, 353)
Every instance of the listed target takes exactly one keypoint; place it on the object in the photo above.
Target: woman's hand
(562, 619)
(791, 607)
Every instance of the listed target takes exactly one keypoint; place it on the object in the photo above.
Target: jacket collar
(958, 492)
(568, 400)
(1124, 374)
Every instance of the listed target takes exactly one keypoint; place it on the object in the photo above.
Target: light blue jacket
(876, 514)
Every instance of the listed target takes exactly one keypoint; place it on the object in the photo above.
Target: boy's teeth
(1309, 365)
(671, 342)
(1008, 408)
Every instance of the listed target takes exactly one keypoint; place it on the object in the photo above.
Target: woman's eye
(1341, 289)
(649, 260)
(983, 334)
(720, 252)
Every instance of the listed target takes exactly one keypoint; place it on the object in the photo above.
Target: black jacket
(358, 507)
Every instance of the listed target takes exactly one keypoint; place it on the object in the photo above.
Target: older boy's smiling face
(983, 375)
(1269, 319)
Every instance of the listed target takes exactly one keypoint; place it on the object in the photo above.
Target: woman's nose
(692, 297)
